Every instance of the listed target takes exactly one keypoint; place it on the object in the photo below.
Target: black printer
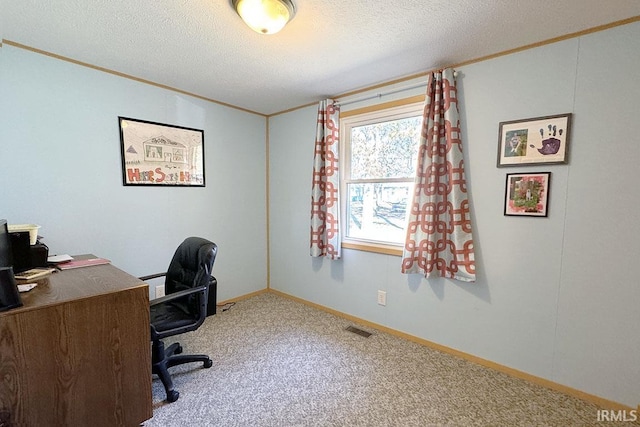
(26, 255)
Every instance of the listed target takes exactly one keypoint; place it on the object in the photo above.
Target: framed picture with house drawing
(536, 141)
(160, 154)
(527, 194)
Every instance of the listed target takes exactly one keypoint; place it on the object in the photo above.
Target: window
(380, 150)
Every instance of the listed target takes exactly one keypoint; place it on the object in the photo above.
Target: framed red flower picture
(527, 194)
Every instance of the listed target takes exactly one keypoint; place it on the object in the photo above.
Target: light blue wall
(555, 297)
(61, 169)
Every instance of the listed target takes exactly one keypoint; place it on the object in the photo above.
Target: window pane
(378, 211)
(385, 150)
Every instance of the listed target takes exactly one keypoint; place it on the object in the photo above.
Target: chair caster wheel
(172, 396)
(208, 363)
(178, 350)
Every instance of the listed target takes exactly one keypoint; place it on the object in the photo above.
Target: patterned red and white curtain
(325, 200)
(439, 239)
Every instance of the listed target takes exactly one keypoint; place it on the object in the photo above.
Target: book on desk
(79, 263)
(42, 272)
(33, 274)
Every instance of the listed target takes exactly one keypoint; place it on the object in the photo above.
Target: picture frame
(535, 141)
(527, 194)
(158, 154)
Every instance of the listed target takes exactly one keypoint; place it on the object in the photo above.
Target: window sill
(373, 247)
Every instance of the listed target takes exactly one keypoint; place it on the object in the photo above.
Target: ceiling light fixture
(265, 16)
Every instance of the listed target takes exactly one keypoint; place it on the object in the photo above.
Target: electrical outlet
(159, 291)
(382, 298)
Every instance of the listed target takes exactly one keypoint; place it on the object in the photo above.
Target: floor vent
(359, 331)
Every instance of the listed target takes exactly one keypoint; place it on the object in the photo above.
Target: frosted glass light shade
(265, 16)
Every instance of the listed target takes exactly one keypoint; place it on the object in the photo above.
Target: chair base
(163, 359)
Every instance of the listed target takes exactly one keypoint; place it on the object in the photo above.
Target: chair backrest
(191, 265)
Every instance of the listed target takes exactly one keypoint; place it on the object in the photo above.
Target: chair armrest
(152, 276)
(177, 295)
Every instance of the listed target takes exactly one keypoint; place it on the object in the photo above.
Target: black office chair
(183, 308)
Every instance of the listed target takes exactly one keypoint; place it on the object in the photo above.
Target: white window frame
(389, 111)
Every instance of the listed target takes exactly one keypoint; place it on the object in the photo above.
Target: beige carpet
(277, 362)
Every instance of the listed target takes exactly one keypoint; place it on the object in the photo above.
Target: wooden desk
(78, 352)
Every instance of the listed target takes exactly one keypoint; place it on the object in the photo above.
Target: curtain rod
(381, 94)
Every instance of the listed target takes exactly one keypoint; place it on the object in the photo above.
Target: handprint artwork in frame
(536, 141)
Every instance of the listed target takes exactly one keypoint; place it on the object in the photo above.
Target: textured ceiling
(330, 47)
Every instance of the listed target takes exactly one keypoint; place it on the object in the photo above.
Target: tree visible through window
(379, 167)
